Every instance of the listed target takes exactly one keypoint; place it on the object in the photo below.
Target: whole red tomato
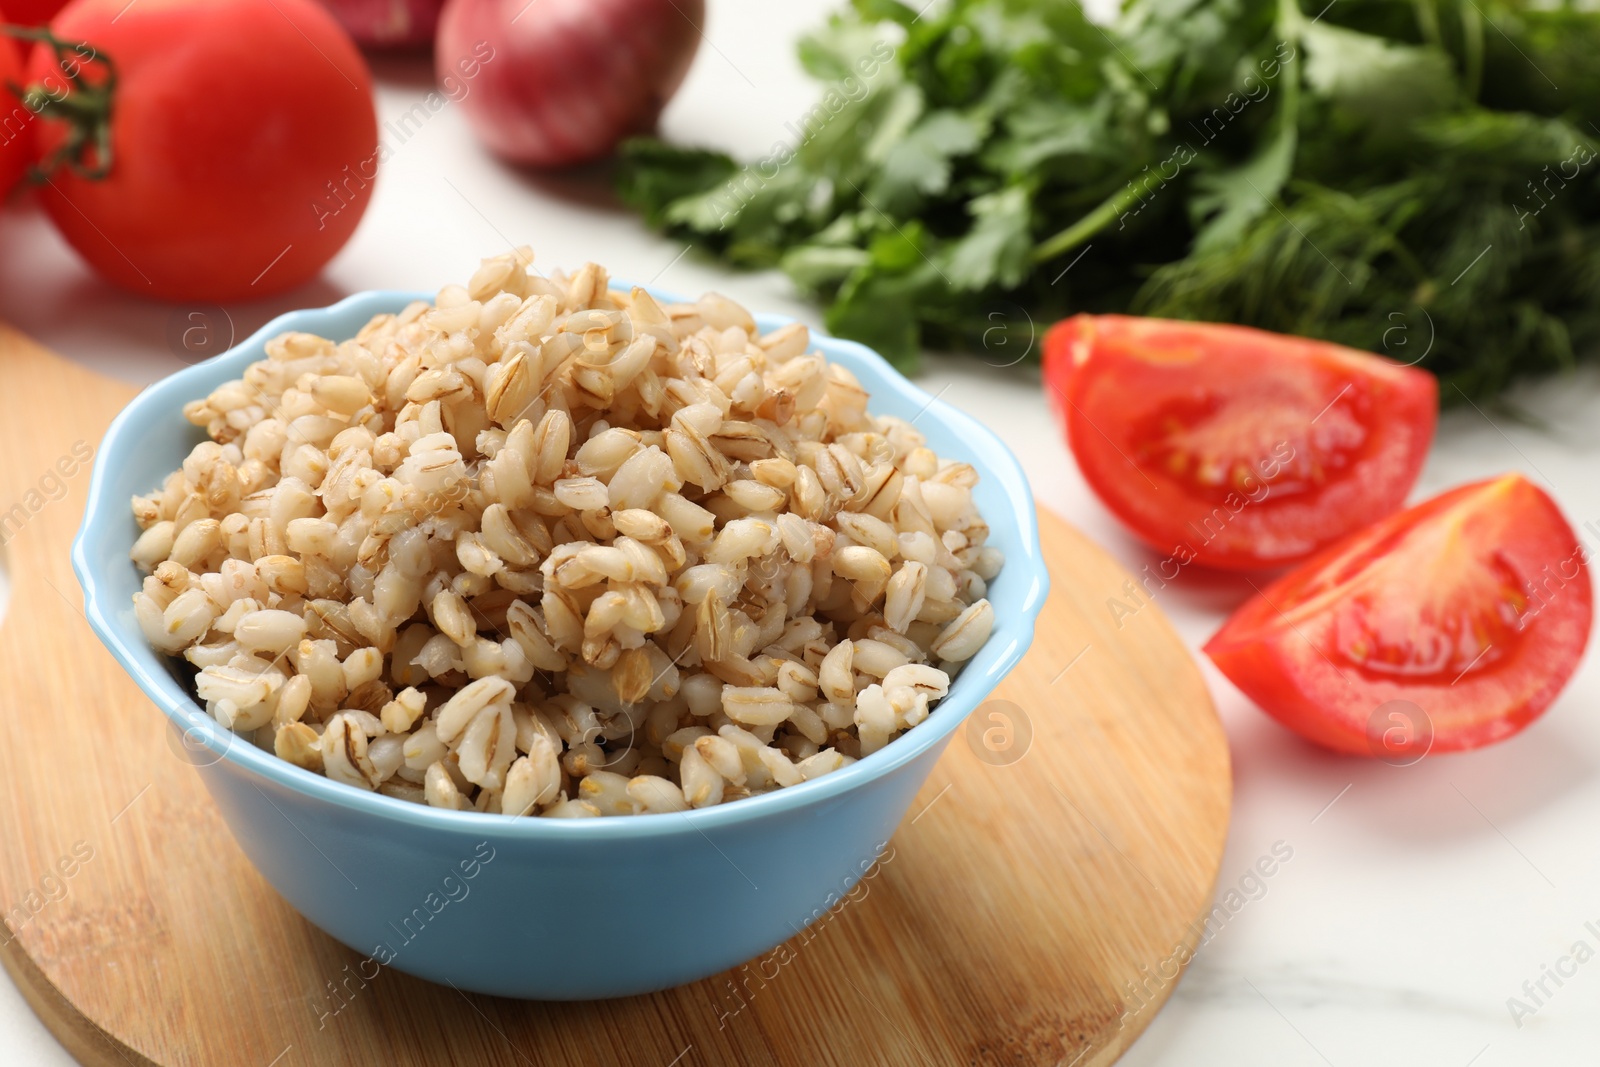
(16, 141)
(242, 143)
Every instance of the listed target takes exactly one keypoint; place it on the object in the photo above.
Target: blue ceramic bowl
(547, 908)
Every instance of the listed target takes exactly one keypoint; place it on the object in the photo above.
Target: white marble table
(1417, 900)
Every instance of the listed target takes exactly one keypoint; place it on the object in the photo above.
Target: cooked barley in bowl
(549, 548)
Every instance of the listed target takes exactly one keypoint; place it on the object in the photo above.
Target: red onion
(388, 23)
(568, 78)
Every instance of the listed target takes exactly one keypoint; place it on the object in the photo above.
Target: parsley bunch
(1416, 177)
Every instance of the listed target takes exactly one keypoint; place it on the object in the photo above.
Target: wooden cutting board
(1034, 909)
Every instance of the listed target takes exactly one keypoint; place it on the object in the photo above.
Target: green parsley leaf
(1372, 172)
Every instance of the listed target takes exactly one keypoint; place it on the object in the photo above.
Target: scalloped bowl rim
(992, 458)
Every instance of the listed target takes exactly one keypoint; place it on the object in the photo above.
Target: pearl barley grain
(551, 549)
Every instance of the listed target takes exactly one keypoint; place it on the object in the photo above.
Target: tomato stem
(85, 107)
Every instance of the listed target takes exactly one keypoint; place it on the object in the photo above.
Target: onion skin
(388, 23)
(570, 78)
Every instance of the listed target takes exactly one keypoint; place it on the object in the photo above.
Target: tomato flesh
(1234, 447)
(1474, 606)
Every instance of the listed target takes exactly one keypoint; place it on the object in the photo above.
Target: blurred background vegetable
(1416, 179)
(573, 77)
(229, 168)
(16, 143)
(31, 12)
(388, 23)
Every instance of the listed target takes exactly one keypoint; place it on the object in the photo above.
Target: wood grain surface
(1035, 907)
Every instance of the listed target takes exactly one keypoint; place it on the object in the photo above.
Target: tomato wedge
(1473, 608)
(1235, 447)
